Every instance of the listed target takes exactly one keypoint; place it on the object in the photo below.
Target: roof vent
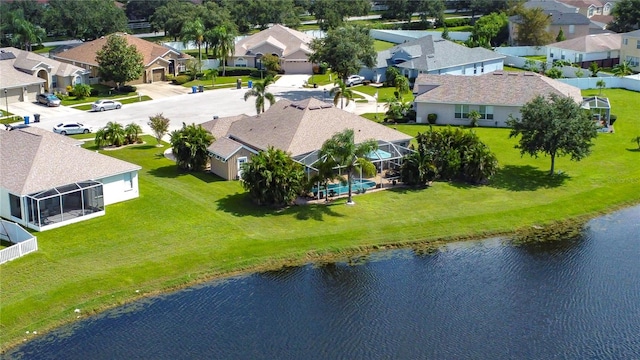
(512, 74)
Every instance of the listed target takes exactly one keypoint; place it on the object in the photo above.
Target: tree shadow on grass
(526, 178)
(240, 204)
(633, 150)
(406, 189)
(143, 147)
(172, 172)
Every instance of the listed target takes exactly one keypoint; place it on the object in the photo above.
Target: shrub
(181, 79)
(455, 22)
(612, 118)
(127, 89)
(82, 91)
(431, 118)
(95, 92)
(323, 68)
(238, 71)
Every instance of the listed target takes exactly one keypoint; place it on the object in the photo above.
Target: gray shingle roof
(219, 127)
(303, 126)
(224, 147)
(551, 5)
(28, 61)
(496, 88)
(282, 37)
(34, 161)
(559, 18)
(436, 54)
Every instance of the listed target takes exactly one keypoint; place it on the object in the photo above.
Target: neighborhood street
(179, 105)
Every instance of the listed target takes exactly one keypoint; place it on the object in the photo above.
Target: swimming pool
(357, 186)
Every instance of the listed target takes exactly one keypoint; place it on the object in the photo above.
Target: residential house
(427, 55)
(26, 74)
(573, 25)
(290, 46)
(495, 96)
(159, 61)
(603, 49)
(595, 10)
(47, 180)
(298, 128)
(630, 49)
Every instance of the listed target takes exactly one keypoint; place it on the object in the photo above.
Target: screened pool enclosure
(64, 203)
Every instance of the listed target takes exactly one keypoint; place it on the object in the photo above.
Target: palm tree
(343, 151)
(474, 116)
(112, 134)
(402, 85)
(222, 43)
(189, 146)
(600, 84)
(397, 108)
(622, 69)
(259, 90)
(341, 92)
(213, 73)
(132, 132)
(193, 31)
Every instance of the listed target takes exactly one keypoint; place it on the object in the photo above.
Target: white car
(102, 105)
(71, 128)
(354, 80)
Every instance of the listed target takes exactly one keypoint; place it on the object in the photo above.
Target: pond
(483, 299)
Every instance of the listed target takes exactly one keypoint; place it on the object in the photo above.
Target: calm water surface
(473, 300)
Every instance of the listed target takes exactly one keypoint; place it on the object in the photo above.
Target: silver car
(71, 128)
(102, 105)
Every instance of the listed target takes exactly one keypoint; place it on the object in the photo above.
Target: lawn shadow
(314, 211)
(240, 204)
(143, 147)
(525, 178)
(172, 171)
(633, 150)
(406, 189)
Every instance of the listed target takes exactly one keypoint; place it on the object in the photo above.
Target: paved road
(180, 106)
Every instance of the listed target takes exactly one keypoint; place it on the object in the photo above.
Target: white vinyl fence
(23, 242)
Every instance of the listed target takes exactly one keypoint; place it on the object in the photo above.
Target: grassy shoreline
(190, 228)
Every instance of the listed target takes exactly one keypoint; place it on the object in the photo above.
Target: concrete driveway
(177, 104)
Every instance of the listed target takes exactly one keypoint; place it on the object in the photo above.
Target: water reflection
(579, 299)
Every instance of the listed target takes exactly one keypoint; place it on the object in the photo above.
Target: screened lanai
(388, 157)
(64, 203)
(600, 109)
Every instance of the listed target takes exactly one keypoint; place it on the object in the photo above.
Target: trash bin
(36, 117)
(250, 84)
(194, 89)
(26, 119)
(239, 84)
(201, 88)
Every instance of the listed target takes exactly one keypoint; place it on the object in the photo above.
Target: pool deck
(386, 183)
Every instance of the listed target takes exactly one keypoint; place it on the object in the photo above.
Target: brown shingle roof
(219, 127)
(302, 127)
(34, 161)
(496, 88)
(592, 43)
(86, 52)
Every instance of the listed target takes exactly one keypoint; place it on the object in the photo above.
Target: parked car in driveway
(71, 128)
(354, 80)
(102, 105)
(48, 99)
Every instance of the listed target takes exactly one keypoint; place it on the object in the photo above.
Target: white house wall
(116, 190)
(574, 56)
(446, 114)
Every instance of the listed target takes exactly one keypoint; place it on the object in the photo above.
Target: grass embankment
(123, 101)
(186, 228)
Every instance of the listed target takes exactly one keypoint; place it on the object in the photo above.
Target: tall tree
(193, 31)
(259, 90)
(431, 10)
(171, 17)
(532, 27)
(626, 16)
(331, 13)
(345, 49)
(223, 40)
(340, 92)
(189, 146)
(555, 126)
(342, 150)
(560, 36)
(118, 61)
(24, 34)
(85, 20)
(142, 9)
(490, 30)
(273, 178)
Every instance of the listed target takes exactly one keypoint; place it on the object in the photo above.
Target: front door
(241, 160)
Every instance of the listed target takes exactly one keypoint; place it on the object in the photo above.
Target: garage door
(158, 75)
(297, 67)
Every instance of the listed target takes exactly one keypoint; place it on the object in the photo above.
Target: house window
(462, 112)
(580, 57)
(625, 41)
(572, 29)
(633, 61)
(475, 69)
(590, 11)
(638, 44)
(486, 112)
(14, 204)
(608, 54)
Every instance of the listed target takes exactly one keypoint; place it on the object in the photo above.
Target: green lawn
(384, 93)
(186, 228)
(105, 92)
(380, 45)
(537, 57)
(123, 101)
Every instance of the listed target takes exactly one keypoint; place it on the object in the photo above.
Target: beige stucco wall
(446, 114)
(630, 50)
(229, 170)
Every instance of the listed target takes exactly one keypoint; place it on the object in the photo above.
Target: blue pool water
(339, 189)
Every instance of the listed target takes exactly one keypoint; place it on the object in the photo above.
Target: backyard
(189, 227)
